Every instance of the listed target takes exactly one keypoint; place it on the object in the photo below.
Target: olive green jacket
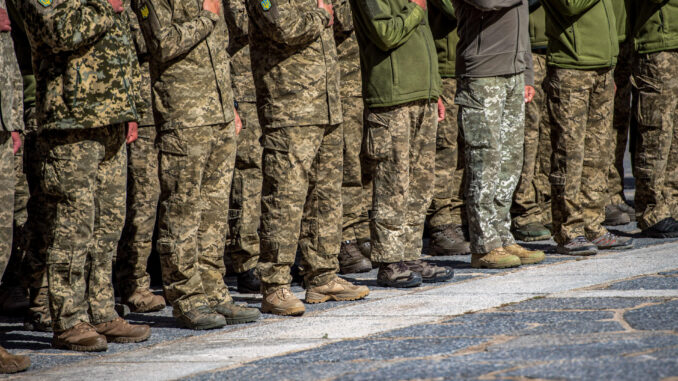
(538, 37)
(655, 25)
(444, 28)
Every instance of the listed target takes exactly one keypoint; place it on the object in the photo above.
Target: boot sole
(438, 279)
(494, 266)
(544, 237)
(290, 312)
(406, 284)
(359, 270)
(80, 348)
(158, 307)
(660, 235)
(580, 253)
(528, 261)
(14, 369)
(241, 320)
(203, 327)
(128, 340)
(336, 298)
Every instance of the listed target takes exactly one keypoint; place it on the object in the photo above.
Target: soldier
(355, 187)
(529, 209)
(445, 215)
(86, 93)
(401, 121)
(655, 82)
(296, 75)
(492, 91)
(245, 202)
(11, 123)
(194, 111)
(143, 190)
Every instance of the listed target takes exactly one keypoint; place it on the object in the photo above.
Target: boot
(397, 275)
(365, 247)
(82, 337)
(430, 273)
(577, 246)
(615, 216)
(628, 209)
(351, 260)
(13, 300)
(248, 283)
(200, 318)
(666, 228)
(527, 257)
(281, 301)
(337, 289)
(38, 317)
(10, 363)
(495, 259)
(533, 231)
(609, 241)
(121, 331)
(235, 314)
(448, 240)
(142, 300)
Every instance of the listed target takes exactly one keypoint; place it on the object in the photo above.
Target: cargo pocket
(170, 141)
(378, 142)
(650, 103)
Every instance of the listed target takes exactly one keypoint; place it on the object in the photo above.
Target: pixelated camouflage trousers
(531, 199)
(580, 104)
(356, 188)
(83, 180)
(196, 169)
(401, 139)
(245, 202)
(655, 81)
(447, 206)
(6, 198)
(143, 191)
(300, 204)
(492, 116)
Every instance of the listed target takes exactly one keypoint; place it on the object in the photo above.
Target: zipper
(515, 57)
(78, 80)
(480, 33)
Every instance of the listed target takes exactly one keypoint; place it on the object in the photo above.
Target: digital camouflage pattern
(299, 205)
(294, 63)
(492, 117)
(185, 41)
(6, 198)
(237, 20)
(402, 140)
(621, 122)
(196, 166)
(448, 206)
(655, 82)
(530, 197)
(579, 103)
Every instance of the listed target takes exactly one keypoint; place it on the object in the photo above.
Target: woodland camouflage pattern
(492, 116)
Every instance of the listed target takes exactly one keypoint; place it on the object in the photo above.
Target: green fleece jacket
(655, 25)
(538, 28)
(444, 28)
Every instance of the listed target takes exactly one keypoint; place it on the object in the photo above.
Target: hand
(421, 3)
(329, 9)
(5, 25)
(132, 132)
(211, 6)
(117, 5)
(16, 140)
(529, 93)
(238, 123)
(441, 110)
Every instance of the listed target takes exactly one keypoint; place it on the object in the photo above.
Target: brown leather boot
(119, 330)
(10, 363)
(142, 300)
(281, 301)
(337, 289)
(82, 337)
(352, 260)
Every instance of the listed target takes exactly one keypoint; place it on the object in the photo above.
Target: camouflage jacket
(347, 49)
(86, 70)
(146, 113)
(11, 88)
(294, 63)
(239, 48)
(190, 76)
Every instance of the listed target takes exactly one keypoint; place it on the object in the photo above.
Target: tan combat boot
(142, 300)
(495, 259)
(10, 363)
(83, 337)
(527, 257)
(119, 330)
(281, 301)
(337, 289)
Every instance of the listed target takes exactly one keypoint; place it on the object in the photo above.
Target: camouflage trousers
(531, 199)
(83, 180)
(580, 104)
(196, 169)
(6, 198)
(401, 139)
(492, 116)
(143, 191)
(245, 202)
(655, 81)
(620, 123)
(356, 189)
(447, 206)
(300, 204)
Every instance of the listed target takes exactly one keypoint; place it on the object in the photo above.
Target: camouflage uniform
(656, 152)
(143, 184)
(83, 100)
(621, 122)
(296, 75)
(492, 117)
(245, 202)
(580, 104)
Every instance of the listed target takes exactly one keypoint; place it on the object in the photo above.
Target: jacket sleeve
(493, 5)
(166, 39)
(446, 7)
(235, 13)
(571, 7)
(343, 18)
(387, 29)
(68, 25)
(135, 31)
(13, 94)
(282, 22)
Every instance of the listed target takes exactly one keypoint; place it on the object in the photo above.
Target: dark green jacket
(397, 55)
(444, 28)
(621, 18)
(538, 28)
(582, 34)
(655, 26)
